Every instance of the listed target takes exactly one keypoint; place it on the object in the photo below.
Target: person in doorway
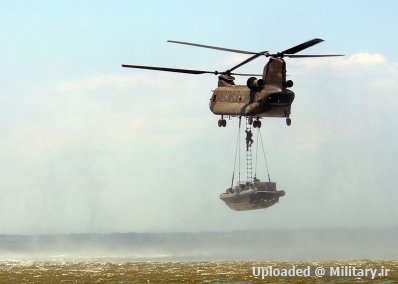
(249, 140)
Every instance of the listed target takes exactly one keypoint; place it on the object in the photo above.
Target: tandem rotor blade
(248, 60)
(256, 54)
(215, 47)
(311, 55)
(177, 70)
(186, 71)
(244, 74)
(302, 46)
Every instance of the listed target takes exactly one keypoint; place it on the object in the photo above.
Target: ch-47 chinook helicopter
(265, 97)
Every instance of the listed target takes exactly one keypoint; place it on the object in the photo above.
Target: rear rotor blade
(255, 54)
(311, 55)
(214, 47)
(177, 70)
(302, 46)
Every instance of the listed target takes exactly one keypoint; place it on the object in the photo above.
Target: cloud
(87, 146)
(384, 83)
(358, 60)
(110, 107)
(364, 77)
(366, 59)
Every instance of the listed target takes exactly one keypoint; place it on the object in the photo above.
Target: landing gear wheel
(288, 121)
(222, 123)
(250, 120)
(257, 124)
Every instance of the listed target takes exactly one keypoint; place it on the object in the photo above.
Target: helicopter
(268, 96)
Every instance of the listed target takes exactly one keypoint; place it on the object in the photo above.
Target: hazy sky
(88, 146)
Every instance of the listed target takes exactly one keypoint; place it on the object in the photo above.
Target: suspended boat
(253, 193)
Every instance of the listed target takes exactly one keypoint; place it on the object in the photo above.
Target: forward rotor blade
(247, 60)
(302, 46)
(187, 71)
(311, 55)
(214, 47)
(244, 74)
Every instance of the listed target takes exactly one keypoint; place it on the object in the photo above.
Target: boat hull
(251, 196)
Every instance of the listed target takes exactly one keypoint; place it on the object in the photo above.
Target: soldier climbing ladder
(249, 160)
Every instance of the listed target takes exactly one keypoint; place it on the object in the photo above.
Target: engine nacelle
(255, 84)
(289, 84)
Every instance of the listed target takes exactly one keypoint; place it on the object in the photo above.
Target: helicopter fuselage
(265, 97)
(239, 100)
